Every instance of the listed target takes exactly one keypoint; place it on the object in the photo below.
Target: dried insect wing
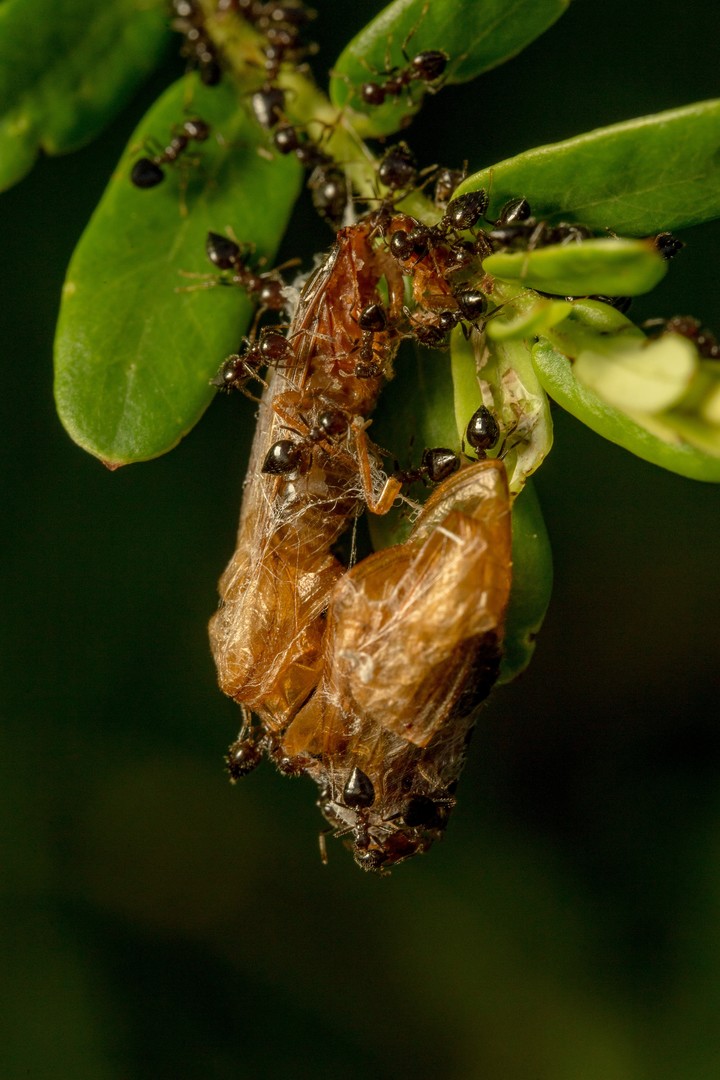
(304, 485)
(412, 647)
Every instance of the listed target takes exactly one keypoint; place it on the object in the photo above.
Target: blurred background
(157, 922)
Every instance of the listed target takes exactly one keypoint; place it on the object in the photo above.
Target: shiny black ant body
(329, 192)
(272, 350)
(243, 756)
(668, 245)
(281, 25)
(398, 169)
(436, 464)
(288, 456)
(268, 105)
(372, 320)
(267, 288)
(427, 67)
(198, 48)
(147, 172)
(482, 432)
(327, 182)
(461, 214)
(516, 228)
(446, 183)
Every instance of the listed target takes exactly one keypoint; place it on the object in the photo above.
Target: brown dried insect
(312, 469)
(411, 649)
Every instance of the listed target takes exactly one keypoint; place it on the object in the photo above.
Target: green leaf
(67, 68)
(611, 267)
(134, 355)
(662, 446)
(476, 35)
(648, 379)
(531, 584)
(639, 177)
(525, 315)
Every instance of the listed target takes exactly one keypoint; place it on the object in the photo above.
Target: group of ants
(324, 397)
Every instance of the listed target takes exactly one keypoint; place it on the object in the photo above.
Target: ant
(398, 169)
(329, 192)
(446, 182)
(280, 23)
(288, 456)
(461, 213)
(244, 755)
(372, 320)
(273, 349)
(436, 464)
(189, 21)
(267, 288)
(482, 432)
(148, 172)
(327, 184)
(268, 105)
(667, 245)
(515, 227)
(426, 67)
(432, 329)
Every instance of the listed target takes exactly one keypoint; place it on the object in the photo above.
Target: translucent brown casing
(266, 636)
(412, 647)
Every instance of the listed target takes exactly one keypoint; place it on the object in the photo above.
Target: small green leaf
(662, 446)
(649, 379)
(531, 584)
(500, 375)
(526, 315)
(67, 69)
(639, 177)
(134, 355)
(611, 267)
(475, 34)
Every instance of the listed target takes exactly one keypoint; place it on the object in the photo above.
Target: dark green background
(158, 923)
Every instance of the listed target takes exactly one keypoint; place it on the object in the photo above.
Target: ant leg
(413, 30)
(392, 486)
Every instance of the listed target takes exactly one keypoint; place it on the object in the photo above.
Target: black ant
(461, 213)
(372, 320)
(436, 464)
(667, 245)
(398, 169)
(280, 23)
(327, 184)
(189, 21)
(272, 350)
(427, 67)
(148, 172)
(267, 288)
(515, 227)
(243, 756)
(329, 192)
(446, 182)
(288, 456)
(268, 105)
(688, 327)
(482, 432)
(433, 327)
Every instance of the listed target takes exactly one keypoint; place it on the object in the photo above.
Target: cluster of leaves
(135, 354)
